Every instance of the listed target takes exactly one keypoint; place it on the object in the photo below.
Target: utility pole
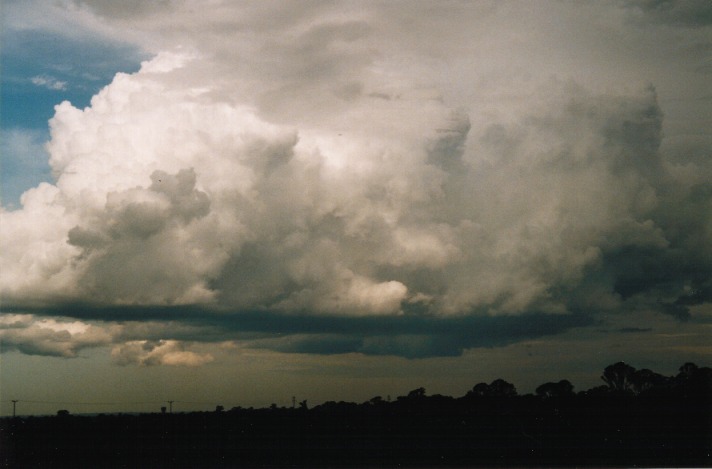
(14, 401)
(294, 402)
(170, 406)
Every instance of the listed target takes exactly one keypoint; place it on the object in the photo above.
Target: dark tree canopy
(619, 377)
(497, 388)
(563, 388)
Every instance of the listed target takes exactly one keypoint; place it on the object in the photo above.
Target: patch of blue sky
(24, 163)
(39, 70)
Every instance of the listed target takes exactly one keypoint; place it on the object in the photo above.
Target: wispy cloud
(49, 82)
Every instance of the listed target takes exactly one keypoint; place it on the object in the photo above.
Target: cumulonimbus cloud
(174, 190)
(169, 198)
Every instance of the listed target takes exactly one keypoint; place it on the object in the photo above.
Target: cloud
(49, 82)
(265, 186)
(694, 13)
(47, 336)
(137, 232)
(418, 337)
(164, 352)
(199, 202)
(133, 342)
(129, 8)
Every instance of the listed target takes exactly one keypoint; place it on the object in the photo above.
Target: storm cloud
(307, 181)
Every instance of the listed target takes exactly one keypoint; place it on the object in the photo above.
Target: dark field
(664, 425)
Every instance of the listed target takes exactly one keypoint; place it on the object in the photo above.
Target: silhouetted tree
(497, 388)
(563, 388)
(645, 380)
(417, 393)
(618, 377)
(694, 381)
(480, 390)
(219, 408)
(596, 391)
(377, 400)
(702, 378)
(501, 388)
(686, 371)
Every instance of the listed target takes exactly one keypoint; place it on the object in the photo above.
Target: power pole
(170, 406)
(14, 401)
(294, 402)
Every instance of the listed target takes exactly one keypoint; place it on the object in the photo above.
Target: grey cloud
(634, 330)
(141, 213)
(186, 202)
(327, 50)
(447, 148)
(699, 293)
(676, 269)
(411, 336)
(86, 238)
(49, 337)
(127, 9)
(693, 13)
(135, 220)
(308, 54)
(45, 344)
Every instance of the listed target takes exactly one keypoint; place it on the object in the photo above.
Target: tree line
(635, 418)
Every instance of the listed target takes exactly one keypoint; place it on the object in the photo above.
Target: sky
(233, 203)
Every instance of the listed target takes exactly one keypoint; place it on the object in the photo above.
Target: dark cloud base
(411, 336)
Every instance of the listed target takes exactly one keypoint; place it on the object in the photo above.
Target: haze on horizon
(235, 203)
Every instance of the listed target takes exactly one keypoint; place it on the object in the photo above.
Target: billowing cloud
(47, 336)
(164, 352)
(316, 177)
